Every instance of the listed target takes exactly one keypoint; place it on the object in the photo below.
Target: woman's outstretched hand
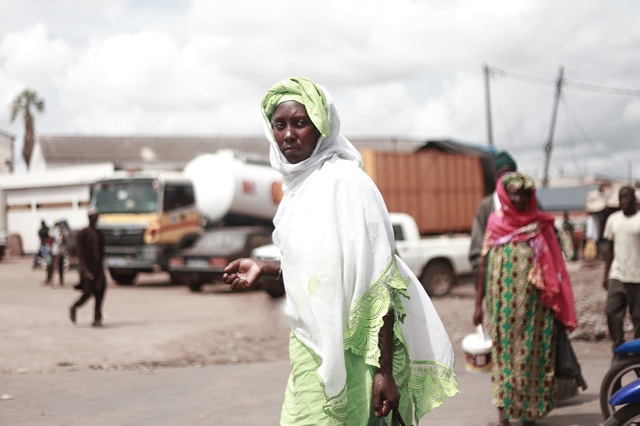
(242, 273)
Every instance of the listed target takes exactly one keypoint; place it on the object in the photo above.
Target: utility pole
(488, 104)
(549, 145)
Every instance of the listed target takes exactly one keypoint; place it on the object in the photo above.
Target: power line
(521, 77)
(567, 83)
(602, 89)
(581, 129)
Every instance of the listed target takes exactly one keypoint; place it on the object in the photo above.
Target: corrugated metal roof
(171, 151)
(564, 198)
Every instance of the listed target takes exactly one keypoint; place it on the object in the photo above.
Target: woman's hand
(386, 395)
(242, 273)
(478, 315)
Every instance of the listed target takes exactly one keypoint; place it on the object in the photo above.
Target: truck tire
(438, 278)
(177, 278)
(123, 277)
(195, 286)
(273, 288)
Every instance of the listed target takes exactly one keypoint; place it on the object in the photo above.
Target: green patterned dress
(522, 330)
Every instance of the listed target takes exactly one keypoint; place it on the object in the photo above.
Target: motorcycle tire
(615, 379)
(628, 415)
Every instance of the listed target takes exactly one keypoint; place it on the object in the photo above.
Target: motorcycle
(624, 371)
(629, 398)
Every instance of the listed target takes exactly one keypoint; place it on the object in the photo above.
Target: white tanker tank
(227, 183)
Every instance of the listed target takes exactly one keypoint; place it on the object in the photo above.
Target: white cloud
(401, 68)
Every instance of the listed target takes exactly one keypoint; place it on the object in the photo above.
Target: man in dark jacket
(90, 246)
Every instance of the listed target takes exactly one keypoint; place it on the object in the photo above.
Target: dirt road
(232, 348)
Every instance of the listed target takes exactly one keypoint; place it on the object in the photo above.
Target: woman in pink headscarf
(524, 279)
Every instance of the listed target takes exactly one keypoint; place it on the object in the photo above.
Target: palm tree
(23, 104)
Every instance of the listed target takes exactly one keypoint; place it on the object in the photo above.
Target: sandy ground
(231, 350)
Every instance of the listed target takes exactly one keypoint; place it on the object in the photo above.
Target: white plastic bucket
(477, 351)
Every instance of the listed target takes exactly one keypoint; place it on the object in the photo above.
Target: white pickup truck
(438, 261)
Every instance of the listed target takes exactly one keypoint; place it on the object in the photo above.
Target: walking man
(90, 245)
(622, 266)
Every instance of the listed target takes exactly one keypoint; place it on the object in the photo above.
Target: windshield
(231, 241)
(126, 197)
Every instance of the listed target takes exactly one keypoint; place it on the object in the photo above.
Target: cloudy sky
(395, 69)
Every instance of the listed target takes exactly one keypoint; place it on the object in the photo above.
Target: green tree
(24, 104)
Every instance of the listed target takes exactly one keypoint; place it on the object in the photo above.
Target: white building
(49, 195)
(6, 152)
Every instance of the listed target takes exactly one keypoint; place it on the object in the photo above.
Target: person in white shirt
(622, 266)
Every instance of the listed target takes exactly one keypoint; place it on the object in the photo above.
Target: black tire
(176, 278)
(628, 415)
(273, 288)
(123, 277)
(438, 278)
(619, 374)
(195, 286)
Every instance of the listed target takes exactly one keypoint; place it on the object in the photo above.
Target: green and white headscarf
(304, 92)
(340, 270)
(323, 115)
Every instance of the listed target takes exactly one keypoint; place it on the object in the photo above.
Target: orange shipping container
(440, 190)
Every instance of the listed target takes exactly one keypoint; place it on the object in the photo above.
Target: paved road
(54, 373)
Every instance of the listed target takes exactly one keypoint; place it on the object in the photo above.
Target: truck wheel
(195, 286)
(273, 288)
(438, 278)
(176, 278)
(122, 278)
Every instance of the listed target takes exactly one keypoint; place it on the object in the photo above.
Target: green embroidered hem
(430, 383)
(366, 316)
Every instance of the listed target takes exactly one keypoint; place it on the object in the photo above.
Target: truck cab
(144, 216)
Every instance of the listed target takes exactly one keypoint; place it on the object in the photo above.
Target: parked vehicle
(145, 216)
(437, 261)
(627, 399)
(440, 190)
(621, 373)
(205, 261)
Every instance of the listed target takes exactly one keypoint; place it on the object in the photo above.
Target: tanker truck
(146, 215)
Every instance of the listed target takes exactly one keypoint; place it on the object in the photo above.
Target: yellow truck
(143, 216)
(146, 215)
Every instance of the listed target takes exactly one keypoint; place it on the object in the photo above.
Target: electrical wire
(521, 77)
(565, 82)
(502, 113)
(601, 89)
(583, 132)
